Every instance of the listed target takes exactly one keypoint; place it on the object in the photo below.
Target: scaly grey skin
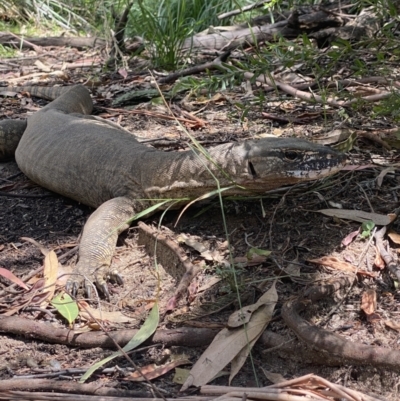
(67, 151)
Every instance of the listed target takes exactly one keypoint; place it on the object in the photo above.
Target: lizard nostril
(252, 170)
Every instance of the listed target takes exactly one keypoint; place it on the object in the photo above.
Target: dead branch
(33, 329)
(49, 385)
(243, 9)
(10, 40)
(332, 343)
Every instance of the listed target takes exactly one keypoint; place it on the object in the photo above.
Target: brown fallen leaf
(368, 306)
(395, 237)
(382, 174)
(50, 272)
(88, 313)
(243, 315)
(153, 371)
(293, 268)
(350, 237)
(373, 318)
(392, 324)
(10, 276)
(368, 302)
(244, 261)
(34, 297)
(352, 167)
(379, 263)
(335, 263)
(43, 249)
(201, 248)
(273, 377)
(258, 323)
(358, 215)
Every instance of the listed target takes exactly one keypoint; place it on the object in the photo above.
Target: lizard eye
(291, 155)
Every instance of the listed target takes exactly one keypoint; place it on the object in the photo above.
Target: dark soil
(287, 223)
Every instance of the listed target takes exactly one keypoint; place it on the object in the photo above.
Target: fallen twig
(332, 343)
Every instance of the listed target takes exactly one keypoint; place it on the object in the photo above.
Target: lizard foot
(75, 282)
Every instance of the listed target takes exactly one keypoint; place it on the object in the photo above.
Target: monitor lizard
(64, 149)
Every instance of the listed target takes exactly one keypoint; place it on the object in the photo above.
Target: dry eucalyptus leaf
(231, 343)
(88, 313)
(358, 215)
(350, 237)
(273, 377)
(379, 263)
(392, 324)
(395, 237)
(335, 263)
(368, 302)
(382, 175)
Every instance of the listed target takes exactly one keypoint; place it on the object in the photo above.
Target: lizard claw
(117, 277)
(104, 289)
(72, 287)
(88, 290)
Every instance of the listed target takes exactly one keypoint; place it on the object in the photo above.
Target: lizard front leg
(11, 132)
(97, 244)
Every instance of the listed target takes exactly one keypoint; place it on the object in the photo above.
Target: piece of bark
(10, 40)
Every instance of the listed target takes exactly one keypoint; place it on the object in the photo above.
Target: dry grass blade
(314, 388)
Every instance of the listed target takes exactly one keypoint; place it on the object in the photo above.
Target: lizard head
(275, 162)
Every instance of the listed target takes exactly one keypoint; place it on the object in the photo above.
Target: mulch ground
(287, 223)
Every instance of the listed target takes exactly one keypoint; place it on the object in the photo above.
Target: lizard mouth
(309, 169)
(315, 168)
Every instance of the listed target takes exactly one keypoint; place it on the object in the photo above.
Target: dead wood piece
(314, 20)
(120, 26)
(375, 138)
(65, 387)
(215, 64)
(295, 25)
(191, 337)
(291, 348)
(364, 25)
(333, 344)
(229, 40)
(54, 396)
(264, 79)
(10, 40)
(386, 256)
(118, 47)
(171, 256)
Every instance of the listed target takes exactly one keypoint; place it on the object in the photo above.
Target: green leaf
(147, 329)
(66, 307)
(366, 228)
(257, 251)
